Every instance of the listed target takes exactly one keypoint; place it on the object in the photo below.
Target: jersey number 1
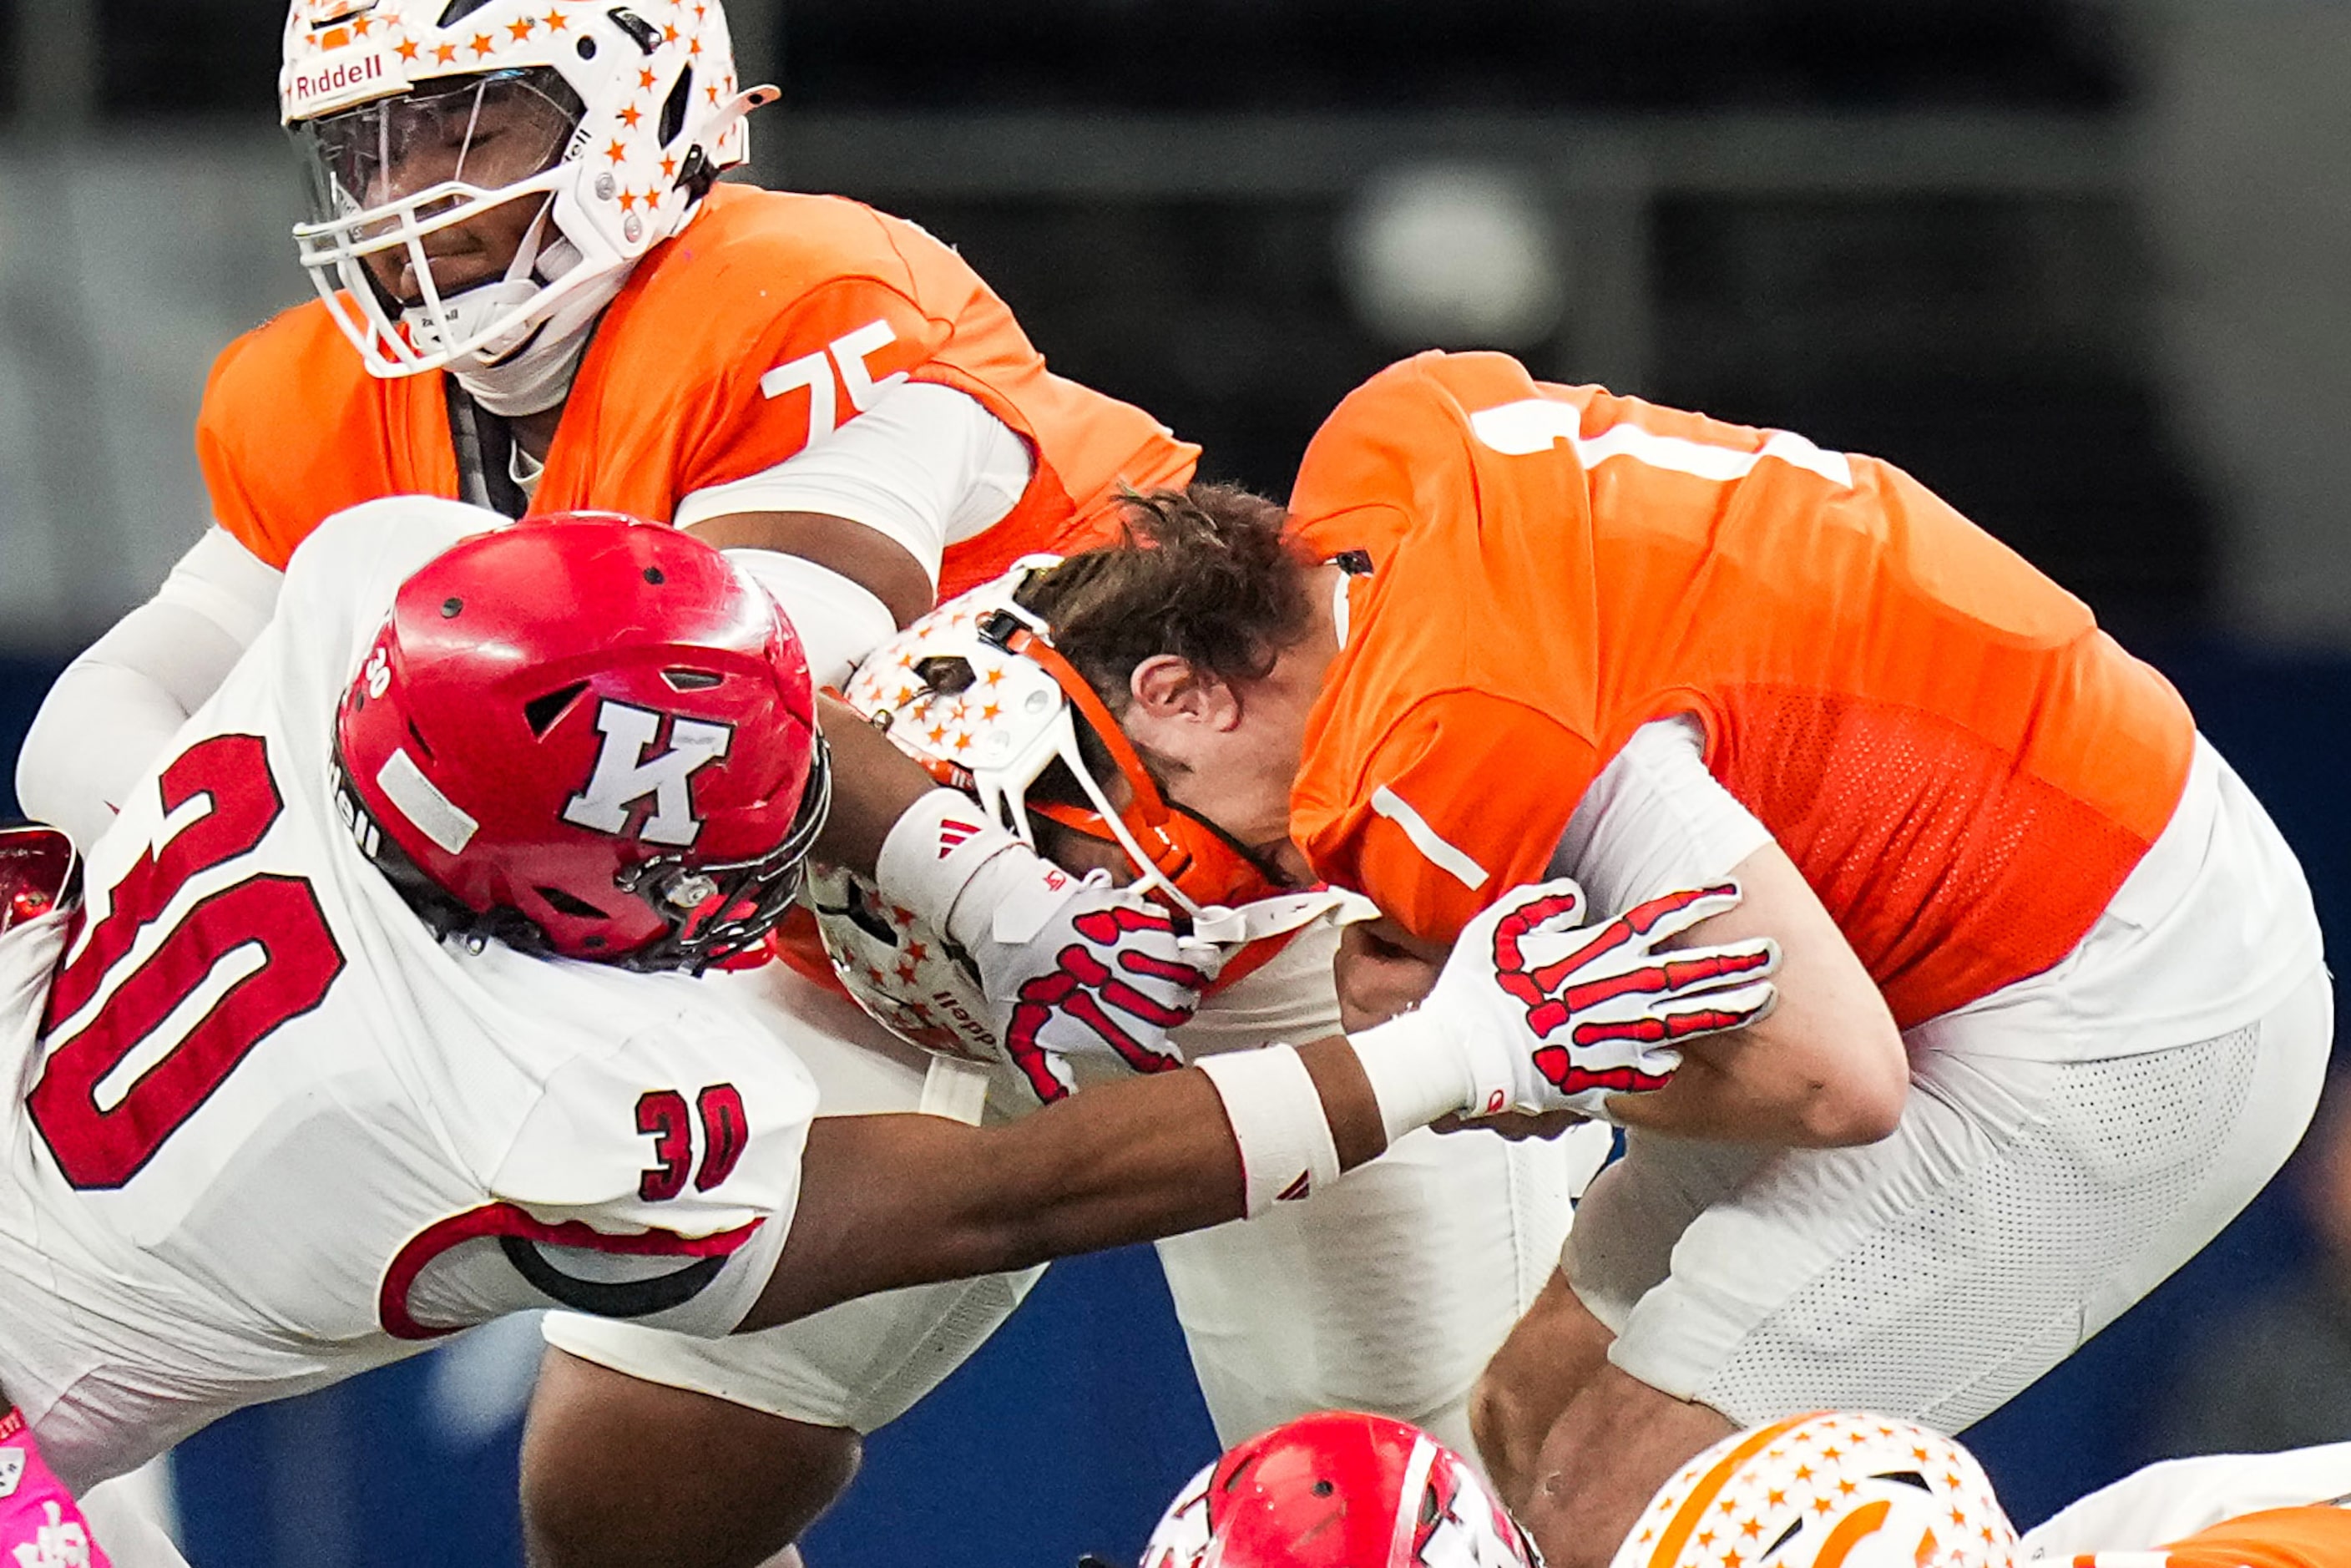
(260, 950)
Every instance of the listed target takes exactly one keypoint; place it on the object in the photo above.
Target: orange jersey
(768, 321)
(2317, 1537)
(1961, 764)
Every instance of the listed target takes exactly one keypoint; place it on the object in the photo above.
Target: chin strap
(530, 369)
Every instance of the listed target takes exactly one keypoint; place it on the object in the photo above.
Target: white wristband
(1419, 1072)
(1278, 1122)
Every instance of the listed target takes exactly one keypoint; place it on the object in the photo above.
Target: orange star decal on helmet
(628, 201)
(406, 49)
(669, 33)
(645, 76)
(483, 44)
(445, 54)
(522, 28)
(555, 22)
(630, 114)
(617, 151)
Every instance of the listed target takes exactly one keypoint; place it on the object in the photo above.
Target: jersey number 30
(266, 937)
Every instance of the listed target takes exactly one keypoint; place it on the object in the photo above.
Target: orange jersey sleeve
(733, 349)
(774, 318)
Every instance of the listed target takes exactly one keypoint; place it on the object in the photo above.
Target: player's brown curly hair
(1203, 574)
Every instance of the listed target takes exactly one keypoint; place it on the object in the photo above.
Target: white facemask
(530, 370)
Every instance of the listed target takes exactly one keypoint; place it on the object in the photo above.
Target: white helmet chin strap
(530, 369)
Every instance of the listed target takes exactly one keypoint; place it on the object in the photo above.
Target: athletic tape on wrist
(933, 849)
(1420, 1071)
(1278, 1122)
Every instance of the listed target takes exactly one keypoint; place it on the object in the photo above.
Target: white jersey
(269, 1133)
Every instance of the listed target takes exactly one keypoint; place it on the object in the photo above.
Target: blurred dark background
(2077, 264)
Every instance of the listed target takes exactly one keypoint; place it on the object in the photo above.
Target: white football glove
(1071, 967)
(1552, 1015)
(1108, 972)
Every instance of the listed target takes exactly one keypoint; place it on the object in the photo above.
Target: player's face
(1237, 770)
(474, 135)
(1230, 753)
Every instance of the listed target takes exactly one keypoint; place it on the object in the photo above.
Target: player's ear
(1170, 693)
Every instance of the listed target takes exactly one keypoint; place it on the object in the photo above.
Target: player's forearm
(875, 561)
(890, 1201)
(873, 783)
(1162, 1160)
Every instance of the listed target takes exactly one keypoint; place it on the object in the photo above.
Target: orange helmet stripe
(1687, 1518)
(1851, 1531)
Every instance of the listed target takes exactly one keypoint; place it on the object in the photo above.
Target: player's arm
(1825, 1069)
(840, 480)
(115, 706)
(888, 1201)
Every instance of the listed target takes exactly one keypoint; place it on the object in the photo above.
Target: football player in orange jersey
(2051, 1009)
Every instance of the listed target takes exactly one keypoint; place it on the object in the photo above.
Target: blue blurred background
(2078, 264)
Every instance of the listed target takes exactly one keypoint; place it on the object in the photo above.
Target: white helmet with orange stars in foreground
(1835, 1489)
(1339, 1490)
(975, 693)
(610, 121)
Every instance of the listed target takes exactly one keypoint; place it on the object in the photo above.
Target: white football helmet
(1834, 1490)
(975, 692)
(412, 116)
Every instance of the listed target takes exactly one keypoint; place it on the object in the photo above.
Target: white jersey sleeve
(2174, 1500)
(113, 709)
(1655, 821)
(926, 467)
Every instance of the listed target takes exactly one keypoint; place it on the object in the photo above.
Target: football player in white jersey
(377, 1020)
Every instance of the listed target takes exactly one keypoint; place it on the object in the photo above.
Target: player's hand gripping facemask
(975, 692)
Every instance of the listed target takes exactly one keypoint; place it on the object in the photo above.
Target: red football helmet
(1339, 1490)
(590, 736)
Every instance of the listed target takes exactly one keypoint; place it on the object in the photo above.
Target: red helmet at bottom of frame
(1338, 1490)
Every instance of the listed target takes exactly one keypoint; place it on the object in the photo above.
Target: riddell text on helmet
(344, 78)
